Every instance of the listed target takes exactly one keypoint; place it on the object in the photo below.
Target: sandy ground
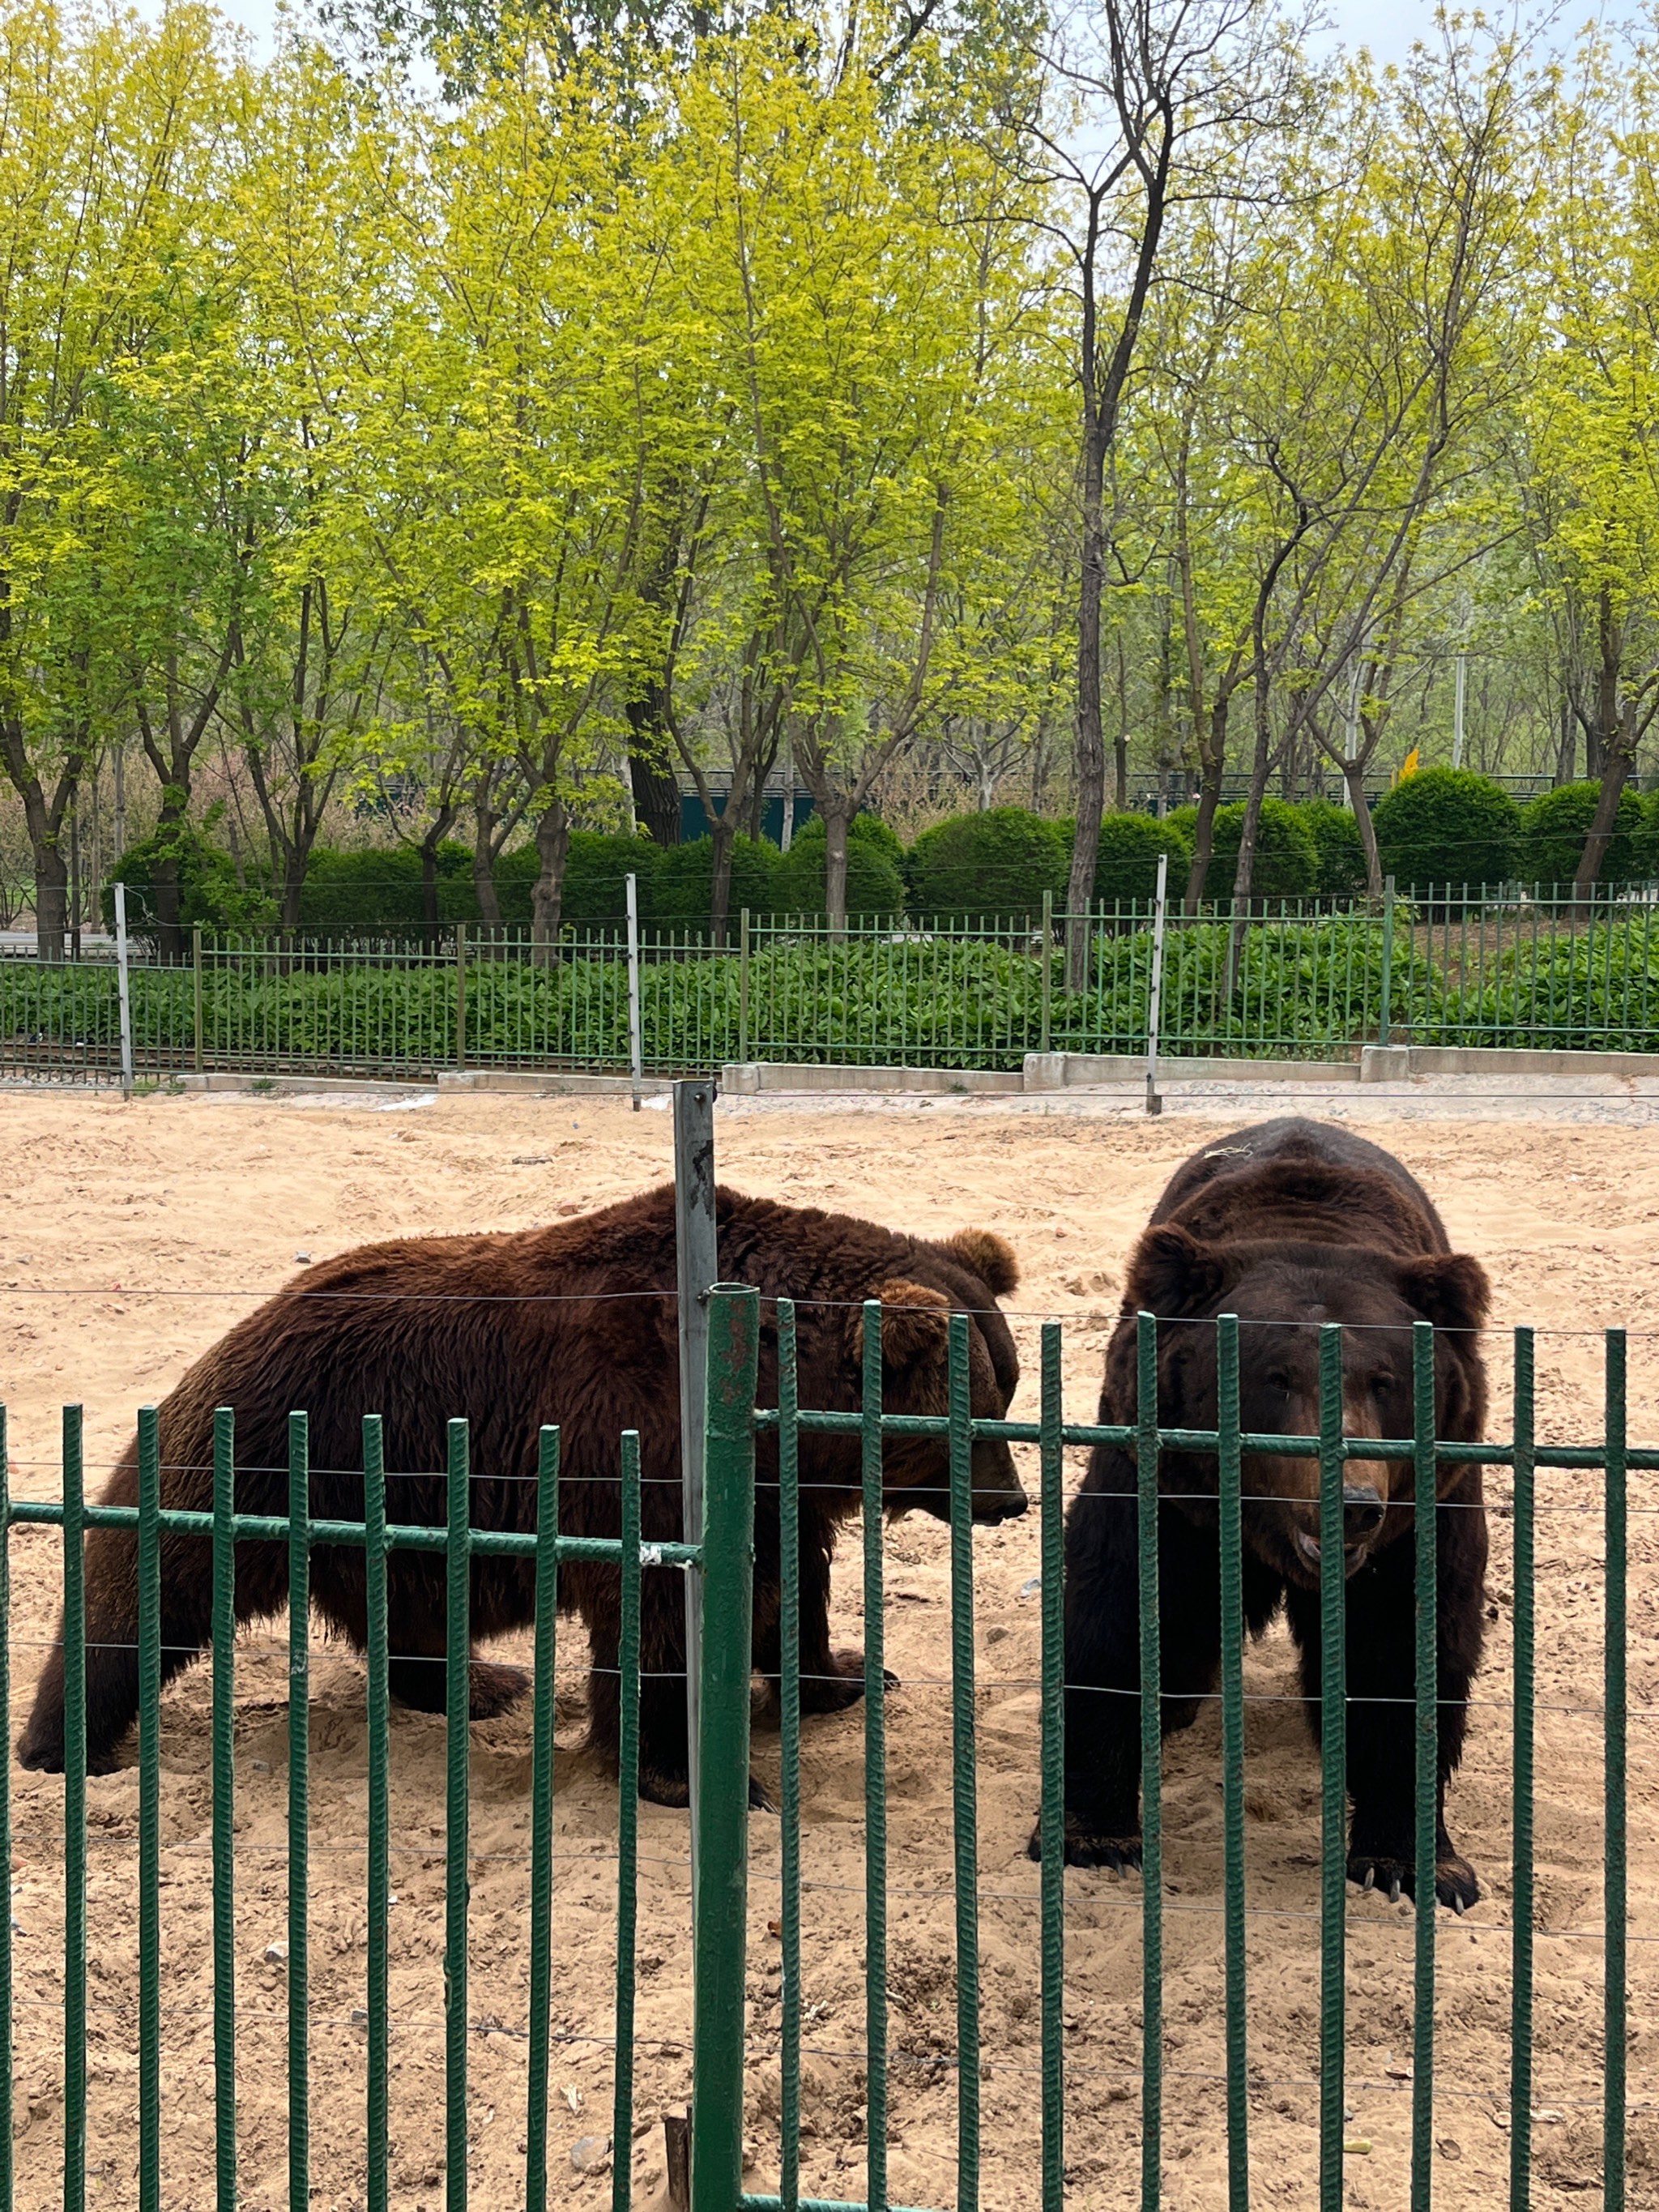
(135, 1234)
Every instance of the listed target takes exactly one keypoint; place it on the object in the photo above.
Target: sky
(1387, 27)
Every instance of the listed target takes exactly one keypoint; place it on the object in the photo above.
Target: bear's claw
(1087, 1847)
(1455, 1884)
(837, 1692)
(675, 1789)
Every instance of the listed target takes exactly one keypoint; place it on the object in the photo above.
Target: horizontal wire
(578, 1672)
(679, 2047)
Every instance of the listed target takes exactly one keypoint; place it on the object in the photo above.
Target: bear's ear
(914, 1323)
(1447, 1288)
(1172, 1273)
(988, 1255)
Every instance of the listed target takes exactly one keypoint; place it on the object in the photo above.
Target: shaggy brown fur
(1287, 1225)
(510, 1332)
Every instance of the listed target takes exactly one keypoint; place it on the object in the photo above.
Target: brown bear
(1287, 1224)
(574, 1324)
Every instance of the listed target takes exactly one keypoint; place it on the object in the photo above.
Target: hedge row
(1307, 988)
(1445, 825)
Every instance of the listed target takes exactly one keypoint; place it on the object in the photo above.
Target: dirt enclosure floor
(135, 1234)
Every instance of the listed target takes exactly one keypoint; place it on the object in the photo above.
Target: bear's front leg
(1380, 1662)
(831, 1677)
(1103, 1656)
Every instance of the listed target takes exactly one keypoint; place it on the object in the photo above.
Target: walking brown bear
(574, 1324)
(1287, 1224)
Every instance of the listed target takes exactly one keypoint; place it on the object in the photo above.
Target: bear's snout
(998, 1494)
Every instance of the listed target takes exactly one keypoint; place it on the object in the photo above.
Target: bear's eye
(1277, 1379)
(1382, 1386)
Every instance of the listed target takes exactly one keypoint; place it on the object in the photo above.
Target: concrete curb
(1041, 1074)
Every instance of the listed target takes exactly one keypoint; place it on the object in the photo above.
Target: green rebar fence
(721, 1931)
(232, 1534)
(1308, 980)
(1333, 2155)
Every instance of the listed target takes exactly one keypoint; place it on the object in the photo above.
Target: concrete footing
(1041, 1073)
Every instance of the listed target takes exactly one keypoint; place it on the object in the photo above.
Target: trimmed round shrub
(1553, 828)
(1447, 826)
(1341, 855)
(596, 871)
(1126, 864)
(1647, 836)
(376, 891)
(1287, 863)
(875, 882)
(997, 864)
(685, 876)
(208, 892)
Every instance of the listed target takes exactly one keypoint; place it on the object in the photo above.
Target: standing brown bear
(1287, 1225)
(574, 1324)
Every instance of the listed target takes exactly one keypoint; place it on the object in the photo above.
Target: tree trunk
(1121, 742)
(169, 925)
(836, 816)
(656, 790)
(1354, 774)
(1090, 740)
(1209, 798)
(51, 901)
(483, 852)
(294, 884)
(723, 832)
(1618, 759)
(552, 846)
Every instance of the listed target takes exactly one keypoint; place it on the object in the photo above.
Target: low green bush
(1555, 824)
(1287, 864)
(1126, 866)
(596, 871)
(1337, 842)
(684, 880)
(209, 892)
(991, 865)
(375, 890)
(1447, 826)
(875, 878)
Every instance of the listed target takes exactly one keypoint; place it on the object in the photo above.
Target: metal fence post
(1047, 965)
(697, 1265)
(1155, 991)
(196, 963)
(721, 1878)
(460, 995)
(743, 985)
(1386, 1010)
(635, 1055)
(123, 989)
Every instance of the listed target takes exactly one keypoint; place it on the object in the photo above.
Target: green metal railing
(1052, 1435)
(1307, 980)
(722, 2044)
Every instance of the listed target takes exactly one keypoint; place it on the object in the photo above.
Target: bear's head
(966, 1273)
(1282, 1294)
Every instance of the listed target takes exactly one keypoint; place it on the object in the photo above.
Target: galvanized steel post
(123, 989)
(1048, 968)
(722, 1872)
(743, 985)
(635, 1044)
(1155, 988)
(697, 1265)
(460, 995)
(196, 991)
(1386, 1010)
